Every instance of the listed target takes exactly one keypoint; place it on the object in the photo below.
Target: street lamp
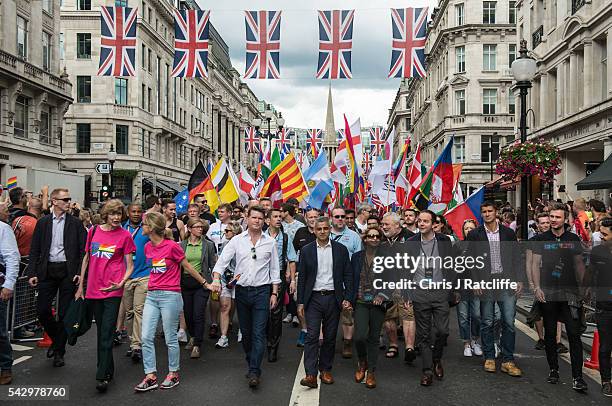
(112, 157)
(523, 69)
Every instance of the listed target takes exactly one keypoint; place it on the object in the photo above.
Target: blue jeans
(253, 306)
(468, 316)
(507, 306)
(168, 305)
(6, 351)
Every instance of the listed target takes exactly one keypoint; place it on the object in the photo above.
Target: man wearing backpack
(22, 222)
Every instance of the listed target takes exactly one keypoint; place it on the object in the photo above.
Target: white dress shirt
(56, 252)
(325, 265)
(9, 256)
(259, 271)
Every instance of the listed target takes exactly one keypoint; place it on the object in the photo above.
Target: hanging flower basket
(529, 158)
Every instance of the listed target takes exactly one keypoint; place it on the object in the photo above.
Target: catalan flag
(11, 182)
(288, 175)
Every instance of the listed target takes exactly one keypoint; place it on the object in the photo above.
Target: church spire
(330, 144)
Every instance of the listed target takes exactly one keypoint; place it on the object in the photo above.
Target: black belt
(57, 264)
(325, 292)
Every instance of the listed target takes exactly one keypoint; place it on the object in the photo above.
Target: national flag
(11, 182)
(105, 251)
(367, 163)
(436, 189)
(469, 209)
(314, 142)
(263, 29)
(341, 161)
(408, 49)
(353, 171)
(335, 44)
(118, 41)
(200, 183)
(223, 183)
(246, 182)
(377, 140)
(457, 192)
(251, 140)
(386, 151)
(289, 178)
(191, 43)
(283, 141)
(399, 166)
(319, 181)
(182, 201)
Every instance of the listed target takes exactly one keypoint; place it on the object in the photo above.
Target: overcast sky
(298, 95)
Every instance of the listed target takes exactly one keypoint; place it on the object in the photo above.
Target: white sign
(98, 145)
(103, 167)
(475, 157)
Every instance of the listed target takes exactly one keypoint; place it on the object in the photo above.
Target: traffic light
(105, 193)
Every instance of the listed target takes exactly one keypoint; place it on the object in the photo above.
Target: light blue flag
(319, 180)
(182, 201)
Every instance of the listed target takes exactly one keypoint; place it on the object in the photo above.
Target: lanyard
(432, 248)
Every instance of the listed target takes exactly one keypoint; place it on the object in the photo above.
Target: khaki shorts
(346, 317)
(397, 311)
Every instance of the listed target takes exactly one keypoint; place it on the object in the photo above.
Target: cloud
(298, 95)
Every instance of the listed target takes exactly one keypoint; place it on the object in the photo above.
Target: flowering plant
(529, 158)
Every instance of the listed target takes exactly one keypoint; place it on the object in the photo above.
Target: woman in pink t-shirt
(107, 266)
(165, 258)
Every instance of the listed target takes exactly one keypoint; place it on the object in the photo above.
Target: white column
(544, 100)
(560, 91)
(589, 67)
(572, 103)
(609, 63)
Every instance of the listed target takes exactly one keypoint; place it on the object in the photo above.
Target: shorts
(225, 292)
(346, 317)
(397, 311)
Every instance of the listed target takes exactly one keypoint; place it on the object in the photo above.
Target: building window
(45, 125)
(143, 57)
(47, 6)
(121, 3)
(121, 91)
(149, 98)
(512, 12)
(46, 50)
(459, 146)
(84, 46)
(488, 12)
(460, 102)
(143, 97)
(83, 138)
(460, 53)
(150, 15)
(511, 54)
(22, 37)
(460, 13)
(489, 57)
(22, 106)
(121, 139)
(122, 187)
(149, 63)
(61, 45)
(511, 103)
(489, 148)
(489, 101)
(83, 89)
(84, 5)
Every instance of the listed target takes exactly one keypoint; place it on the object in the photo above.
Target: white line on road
(17, 347)
(591, 373)
(21, 359)
(301, 395)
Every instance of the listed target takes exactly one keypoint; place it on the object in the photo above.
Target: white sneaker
(288, 318)
(476, 348)
(182, 336)
(239, 336)
(295, 322)
(497, 350)
(467, 351)
(223, 342)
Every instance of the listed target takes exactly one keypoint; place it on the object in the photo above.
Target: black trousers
(604, 326)
(322, 309)
(194, 307)
(431, 317)
(47, 290)
(275, 320)
(553, 311)
(105, 312)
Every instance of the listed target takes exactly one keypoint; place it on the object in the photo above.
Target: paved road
(218, 379)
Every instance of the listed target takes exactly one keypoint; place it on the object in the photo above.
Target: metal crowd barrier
(22, 307)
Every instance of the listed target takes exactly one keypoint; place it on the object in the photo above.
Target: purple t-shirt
(106, 260)
(164, 261)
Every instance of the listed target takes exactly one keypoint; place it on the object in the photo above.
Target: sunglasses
(197, 227)
(339, 216)
(65, 199)
(373, 236)
(253, 253)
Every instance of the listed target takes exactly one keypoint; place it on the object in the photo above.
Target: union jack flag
(314, 142)
(377, 140)
(301, 159)
(118, 41)
(251, 138)
(263, 30)
(340, 135)
(102, 250)
(283, 141)
(409, 34)
(335, 44)
(367, 162)
(191, 31)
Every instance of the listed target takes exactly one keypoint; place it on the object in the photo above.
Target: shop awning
(175, 187)
(160, 185)
(601, 178)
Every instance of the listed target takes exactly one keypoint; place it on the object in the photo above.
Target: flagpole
(390, 171)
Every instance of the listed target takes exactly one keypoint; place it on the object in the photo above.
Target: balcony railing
(577, 4)
(536, 37)
(34, 73)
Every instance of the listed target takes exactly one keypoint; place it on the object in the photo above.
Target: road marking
(301, 395)
(21, 359)
(591, 373)
(17, 347)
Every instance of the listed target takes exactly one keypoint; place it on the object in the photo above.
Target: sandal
(392, 351)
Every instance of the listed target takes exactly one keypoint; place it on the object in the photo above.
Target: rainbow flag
(11, 182)
(353, 173)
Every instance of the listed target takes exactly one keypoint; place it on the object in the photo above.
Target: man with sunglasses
(364, 211)
(58, 247)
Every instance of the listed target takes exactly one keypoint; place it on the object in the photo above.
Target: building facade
(399, 114)
(34, 94)
(467, 92)
(571, 97)
(159, 126)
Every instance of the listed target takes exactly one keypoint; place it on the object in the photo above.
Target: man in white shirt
(363, 214)
(9, 269)
(257, 288)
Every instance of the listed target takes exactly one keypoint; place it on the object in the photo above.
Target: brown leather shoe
(326, 377)
(347, 349)
(489, 365)
(426, 379)
(438, 370)
(6, 377)
(310, 381)
(361, 371)
(371, 380)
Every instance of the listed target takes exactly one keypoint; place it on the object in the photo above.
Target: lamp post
(112, 157)
(523, 69)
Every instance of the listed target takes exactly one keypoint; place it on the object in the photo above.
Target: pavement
(218, 378)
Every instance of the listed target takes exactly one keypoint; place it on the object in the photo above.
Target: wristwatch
(274, 293)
